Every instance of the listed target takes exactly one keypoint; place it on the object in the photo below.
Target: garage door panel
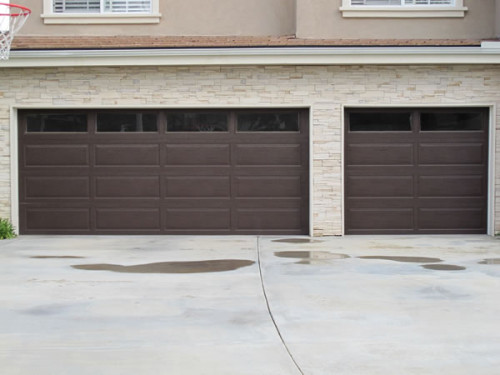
(197, 154)
(197, 186)
(56, 155)
(380, 154)
(276, 154)
(451, 186)
(456, 219)
(373, 220)
(380, 186)
(198, 219)
(267, 186)
(56, 187)
(127, 155)
(454, 154)
(270, 219)
(127, 187)
(121, 219)
(51, 220)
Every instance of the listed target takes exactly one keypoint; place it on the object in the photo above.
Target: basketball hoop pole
(12, 18)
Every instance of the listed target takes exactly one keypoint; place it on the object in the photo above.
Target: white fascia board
(255, 56)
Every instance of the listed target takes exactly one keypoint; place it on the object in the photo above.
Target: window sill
(79, 18)
(407, 12)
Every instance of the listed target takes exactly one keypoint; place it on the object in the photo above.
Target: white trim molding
(403, 11)
(51, 18)
(255, 56)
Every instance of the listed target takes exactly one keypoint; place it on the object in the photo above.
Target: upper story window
(403, 8)
(102, 6)
(100, 11)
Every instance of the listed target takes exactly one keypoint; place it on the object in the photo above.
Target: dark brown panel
(56, 155)
(197, 154)
(279, 186)
(56, 187)
(121, 187)
(277, 154)
(380, 186)
(373, 220)
(455, 219)
(128, 219)
(202, 186)
(193, 219)
(380, 154)
(127, 155)
(451, 186)
(57, 220)
(455, 153)
(268, 219)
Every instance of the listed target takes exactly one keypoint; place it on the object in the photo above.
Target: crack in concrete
(270, 312)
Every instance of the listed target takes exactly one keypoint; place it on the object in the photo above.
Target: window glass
(379, 121)
(53, 123)
(401, 2)
(197, 122)
(127, 122)
(102, 6)
(456, 121)
(268, 122)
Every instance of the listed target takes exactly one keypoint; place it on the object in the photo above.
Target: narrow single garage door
(164, 172)
(416, 171)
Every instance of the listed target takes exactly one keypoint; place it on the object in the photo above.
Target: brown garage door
(170, 172)
(416, 171)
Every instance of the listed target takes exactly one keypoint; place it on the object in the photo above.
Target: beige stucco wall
(324, 89)
(323, 19)
(187, 17)
(305, 18)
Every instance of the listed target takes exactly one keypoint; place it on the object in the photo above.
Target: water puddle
(443, 267)
(297, 240)
(320, 255)
(490, 261)
(404, 259)
(220, 265)
(56, 257)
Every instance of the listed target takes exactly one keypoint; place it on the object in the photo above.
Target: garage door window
(197, 122)
(127, 122)
(457, 121)
(56, 123)
(268, 122)
(380, 121)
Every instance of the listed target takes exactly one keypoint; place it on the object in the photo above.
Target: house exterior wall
(303, 18)
(323, 19)
(186, 17)
(326, 90)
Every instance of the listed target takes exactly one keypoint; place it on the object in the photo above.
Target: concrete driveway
(250, 305)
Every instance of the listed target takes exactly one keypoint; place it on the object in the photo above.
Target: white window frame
(403, 11)
(49, 17)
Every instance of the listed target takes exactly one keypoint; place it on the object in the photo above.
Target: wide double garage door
(416, 171)
(164, 172)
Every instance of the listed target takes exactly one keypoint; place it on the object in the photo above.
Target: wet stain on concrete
(56, 257)
(220, 265)
(490, 261)
(44, 310)
(297, 240)
(443, 267)
(310, 255)
(404, 259)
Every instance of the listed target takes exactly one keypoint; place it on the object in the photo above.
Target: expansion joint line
(269, 308)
